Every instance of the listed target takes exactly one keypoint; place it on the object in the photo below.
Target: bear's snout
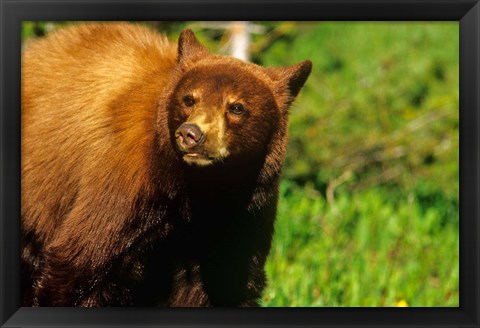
(189, 136)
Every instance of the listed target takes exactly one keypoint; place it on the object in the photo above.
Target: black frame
(13, 12)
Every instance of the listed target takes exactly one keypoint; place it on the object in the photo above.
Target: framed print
(274, 163)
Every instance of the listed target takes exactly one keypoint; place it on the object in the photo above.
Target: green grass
(377, 123)
(365, 249)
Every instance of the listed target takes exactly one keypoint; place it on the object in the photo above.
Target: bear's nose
(190, 135)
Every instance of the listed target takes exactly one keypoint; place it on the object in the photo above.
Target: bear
(150, 169)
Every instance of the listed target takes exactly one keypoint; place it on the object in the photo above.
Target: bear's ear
(189, 49)
(292, 77)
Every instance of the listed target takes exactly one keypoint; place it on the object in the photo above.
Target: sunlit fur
(113, 213)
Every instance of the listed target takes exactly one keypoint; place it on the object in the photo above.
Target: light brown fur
(100, 78)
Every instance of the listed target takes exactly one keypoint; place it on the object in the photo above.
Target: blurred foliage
(381, 106)
(368, 215)
(368, 211)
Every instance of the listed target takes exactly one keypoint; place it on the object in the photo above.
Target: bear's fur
(114, 210)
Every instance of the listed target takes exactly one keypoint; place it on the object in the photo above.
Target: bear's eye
(236, 109)
(188, 101)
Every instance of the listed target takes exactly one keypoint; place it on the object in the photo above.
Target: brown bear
(150, 170)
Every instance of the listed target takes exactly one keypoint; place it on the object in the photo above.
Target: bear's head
(223, 109)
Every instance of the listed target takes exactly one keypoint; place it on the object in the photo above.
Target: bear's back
(89, 95)
(95, 62)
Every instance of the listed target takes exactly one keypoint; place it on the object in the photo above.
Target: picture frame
(13, 12)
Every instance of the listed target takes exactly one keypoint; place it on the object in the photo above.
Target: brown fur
(112, 214)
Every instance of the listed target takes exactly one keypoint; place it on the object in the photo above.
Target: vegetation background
(368, 211)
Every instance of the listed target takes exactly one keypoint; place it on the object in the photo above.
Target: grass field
(358, 225)
(364, 250)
